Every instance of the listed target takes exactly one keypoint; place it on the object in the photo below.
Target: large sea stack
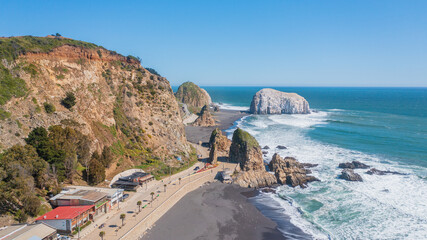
(246, 151)
(192, 95)
(270, 101)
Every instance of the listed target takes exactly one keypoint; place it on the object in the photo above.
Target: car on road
(196, 168)
(101, 226)
(125, 196)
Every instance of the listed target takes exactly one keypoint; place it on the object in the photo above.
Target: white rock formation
(270, 101)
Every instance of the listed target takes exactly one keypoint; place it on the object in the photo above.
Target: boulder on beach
(353, 165)
(270, 101)
(213, 155)
(246, 151)
(349, 175)
(289, 171)
(205, 118)
(221, 141)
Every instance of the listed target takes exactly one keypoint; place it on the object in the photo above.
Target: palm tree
(152, 196)
(102, 234)
(165, 186)
(139, 203)
(179, 181)
(122, 217)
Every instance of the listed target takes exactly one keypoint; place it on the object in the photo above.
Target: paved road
(175, 190)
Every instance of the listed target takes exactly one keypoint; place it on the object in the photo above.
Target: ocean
(385, 128)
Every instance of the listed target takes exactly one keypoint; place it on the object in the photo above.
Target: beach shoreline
(214, 211)
(225, 120)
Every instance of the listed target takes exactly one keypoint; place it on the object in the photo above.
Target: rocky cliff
(222, 142)
(118, 103)
(192, 95)
(246, 151)
(270, 101)
(205, 118)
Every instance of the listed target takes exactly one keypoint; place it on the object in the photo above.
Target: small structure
(28, 231)
(133, 181)
(81, 197)
(66, 219)
(114, 195)
(225, 176)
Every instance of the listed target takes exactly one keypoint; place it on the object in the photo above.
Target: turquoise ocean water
(385, 128)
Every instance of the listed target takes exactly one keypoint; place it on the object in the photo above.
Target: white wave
(300, 120)
(227, 106)
(385, 207)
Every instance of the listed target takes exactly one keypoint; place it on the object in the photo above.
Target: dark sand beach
(225, 119)
(214, 211)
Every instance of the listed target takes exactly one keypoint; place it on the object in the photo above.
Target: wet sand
(225, 119)
(214, 211)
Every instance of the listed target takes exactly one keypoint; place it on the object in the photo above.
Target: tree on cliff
(95, 171)
(21, 171)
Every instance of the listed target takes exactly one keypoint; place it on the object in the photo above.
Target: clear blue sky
(259, 43)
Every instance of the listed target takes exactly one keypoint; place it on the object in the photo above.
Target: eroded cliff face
(118, 103)
(270, 101)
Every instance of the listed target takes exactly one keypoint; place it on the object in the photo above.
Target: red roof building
(65, 219)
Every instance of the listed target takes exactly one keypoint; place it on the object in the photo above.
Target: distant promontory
(270, 101)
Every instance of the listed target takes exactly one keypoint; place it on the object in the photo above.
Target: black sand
(214, 211)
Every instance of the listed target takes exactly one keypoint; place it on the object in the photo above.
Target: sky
(381, 43)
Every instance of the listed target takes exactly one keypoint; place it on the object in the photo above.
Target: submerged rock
(266, 147)
(281, 147)
(353, 165)
(290, 171)
(350, 175)
(270, 101)
(374, 171)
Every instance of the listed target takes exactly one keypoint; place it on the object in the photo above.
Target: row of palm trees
(139, 203)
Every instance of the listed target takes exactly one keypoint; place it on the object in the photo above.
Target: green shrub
(49, 107)
(153, 71)
(10, 86)
(60, 76)
(69, 101)
(4, 114)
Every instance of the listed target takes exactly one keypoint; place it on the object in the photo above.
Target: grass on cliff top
(11, 48)
(192, 89)
(242, 137)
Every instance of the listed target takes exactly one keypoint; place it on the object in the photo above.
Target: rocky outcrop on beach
(205, 118)
(353, 165)
(281, 147)
(213, 154)
(349, 175)
(290, 171)
(270, 101)
(220, 140)
(192, 95)
(246, 151)
(374, 171)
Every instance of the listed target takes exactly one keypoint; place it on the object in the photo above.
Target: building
(81, 197)
(28, 231)
(133, 181)
(66, 219)
(226, 176)
(114, 195)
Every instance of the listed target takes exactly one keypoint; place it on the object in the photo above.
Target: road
(137, 222)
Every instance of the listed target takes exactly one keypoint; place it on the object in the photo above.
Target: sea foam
(380, 207)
